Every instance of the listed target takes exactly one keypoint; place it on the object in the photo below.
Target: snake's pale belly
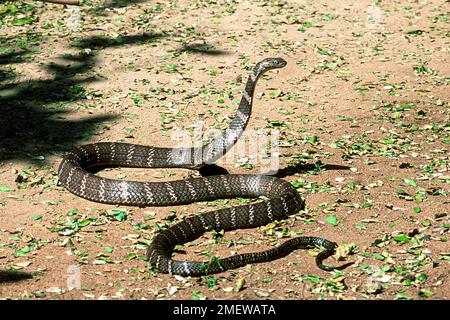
(281, 199)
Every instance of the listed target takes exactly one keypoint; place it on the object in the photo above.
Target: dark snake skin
(281, 198)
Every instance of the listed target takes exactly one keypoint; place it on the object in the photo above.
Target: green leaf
(421, 277)
(23, 251)
(86, 222)
(11, 8)
(417, 210)
(312, 278)
(403, 238)
(402, 192)
(131, 256)
(109, 250)
(425, 293)
(407, 282)
(297, 184)
(23, 21)
(5, 188)
(402, 296)
(37, 217)
(411, 182)
(426, 223)
(120, 215)
(332, 220)
(248, 166)
(379, 257)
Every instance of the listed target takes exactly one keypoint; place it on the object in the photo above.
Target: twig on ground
(68, 2)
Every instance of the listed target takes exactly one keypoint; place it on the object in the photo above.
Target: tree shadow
(12, 56)
(201, 48)
(122, 3)
(103, 42)
(9, 57)
(34, 113)
(14, 276)
(101, 9)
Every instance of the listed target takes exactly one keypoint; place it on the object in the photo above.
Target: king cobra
(280, 198)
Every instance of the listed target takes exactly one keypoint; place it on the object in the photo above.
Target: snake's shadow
(308, 167)
(213, 169)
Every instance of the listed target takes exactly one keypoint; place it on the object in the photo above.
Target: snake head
(272, 63)
(267, 64)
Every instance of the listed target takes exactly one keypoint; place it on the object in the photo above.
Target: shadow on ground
(201, 48)
(33, 113)
(308, 167)
(14, 276)
(213, 169)
(122, 3)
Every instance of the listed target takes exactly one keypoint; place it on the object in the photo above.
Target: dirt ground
(362, 110)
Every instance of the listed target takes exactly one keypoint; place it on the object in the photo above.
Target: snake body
(281, 199)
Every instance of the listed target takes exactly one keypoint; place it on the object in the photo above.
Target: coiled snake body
(281, 198)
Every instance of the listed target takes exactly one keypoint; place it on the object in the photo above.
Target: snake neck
(220, 145)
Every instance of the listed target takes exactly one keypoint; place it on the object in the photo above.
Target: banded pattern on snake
(281, 198)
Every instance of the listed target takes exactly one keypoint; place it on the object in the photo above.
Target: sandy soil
(362, 109)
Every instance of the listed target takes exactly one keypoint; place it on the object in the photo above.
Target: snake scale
(280, 198)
